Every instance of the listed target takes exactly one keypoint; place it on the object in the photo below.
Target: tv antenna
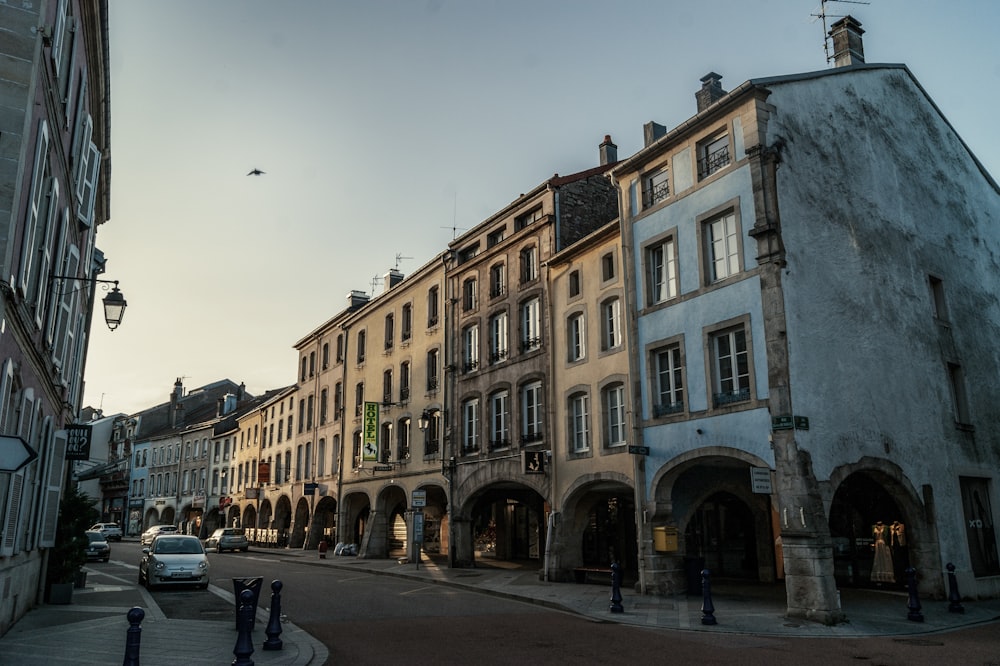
(399, 258)
(822, 15)
(454, 220)
(376, 281)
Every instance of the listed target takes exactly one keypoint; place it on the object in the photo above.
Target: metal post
(244, 643)
(707, 609)
(954, 598)
(914, 602)
(133, 636)
(273, 630)
(616, 589)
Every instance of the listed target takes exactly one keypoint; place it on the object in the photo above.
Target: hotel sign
(369, 432)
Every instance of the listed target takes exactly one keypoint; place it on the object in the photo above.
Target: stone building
(811, 264)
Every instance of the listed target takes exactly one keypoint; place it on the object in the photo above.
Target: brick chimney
(848, 47)
(609, 151)
(711, 90)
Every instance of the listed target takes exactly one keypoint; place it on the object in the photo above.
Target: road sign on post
(419, 498)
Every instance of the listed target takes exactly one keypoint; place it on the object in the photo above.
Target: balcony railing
(668, 408)
(531, 344)
(712, 162)
(531, 437)
(470, 365)
(730, 397)
(432, 383)
(656, 194)
(498, 444)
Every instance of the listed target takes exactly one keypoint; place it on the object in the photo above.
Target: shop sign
(309, 488)
(760, 480)
(369, 437)
(198, 501)
(78, 441)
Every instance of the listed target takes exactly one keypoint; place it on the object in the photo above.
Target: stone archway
(596, 527)
(324, 523)
(282, 522)
(387, 530)
(298, 534)
(151, 518)
(435, 521)
(354, 517)
(167, 516)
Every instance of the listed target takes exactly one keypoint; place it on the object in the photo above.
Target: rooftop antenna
(376, 281)
(822, 15)
(454, 220)
(399, 258)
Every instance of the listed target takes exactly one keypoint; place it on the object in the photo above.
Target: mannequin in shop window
(882, 564)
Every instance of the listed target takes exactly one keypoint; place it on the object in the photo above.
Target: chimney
(392, 278)
(848, 47)
(220, 407)
(356, 299)
(711, 91)
(651, 132)
(229, 403)
(609, 151)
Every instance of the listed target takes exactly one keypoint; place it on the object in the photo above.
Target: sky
(383, 126)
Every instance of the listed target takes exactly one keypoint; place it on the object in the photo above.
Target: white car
(174, 559)
(111, 531)
(154, 531)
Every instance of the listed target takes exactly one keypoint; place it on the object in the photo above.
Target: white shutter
(53, 491)
(34, 205)
(12, 517)
(67, 306)
(59, 35)
(59, 286)
(45, 253)
(87, 194)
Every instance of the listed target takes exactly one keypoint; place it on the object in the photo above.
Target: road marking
(261, 559)
(437, 588)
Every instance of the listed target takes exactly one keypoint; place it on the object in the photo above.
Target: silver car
(228, 538)
(174, 559)
(154, 531)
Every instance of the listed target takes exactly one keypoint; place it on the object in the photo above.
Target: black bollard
(914, 603)
(707, 609)
(134, 616)
(616, 588)
(273, 630)
(244, 643)
(954, 598)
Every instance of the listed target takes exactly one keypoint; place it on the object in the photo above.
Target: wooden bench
(583, 574)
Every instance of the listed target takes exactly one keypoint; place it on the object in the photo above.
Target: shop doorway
(721, 536)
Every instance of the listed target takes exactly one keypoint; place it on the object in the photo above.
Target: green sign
(369, 432)
(781, 423)
(802, 423)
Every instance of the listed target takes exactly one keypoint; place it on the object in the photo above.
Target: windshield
(94, 537)
(178, 547)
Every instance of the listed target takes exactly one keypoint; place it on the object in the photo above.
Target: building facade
(54, 194)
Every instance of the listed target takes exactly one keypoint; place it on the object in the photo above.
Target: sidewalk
(92, 629)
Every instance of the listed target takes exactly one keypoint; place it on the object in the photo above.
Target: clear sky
(381, 125)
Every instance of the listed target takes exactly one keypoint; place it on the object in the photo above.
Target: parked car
(97, 547)
(111, 531)
(174, 559)
(227, 538)
(154, 531)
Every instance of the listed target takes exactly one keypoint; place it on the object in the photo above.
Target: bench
(583, 574)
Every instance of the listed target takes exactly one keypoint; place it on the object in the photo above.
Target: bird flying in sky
(255, 172)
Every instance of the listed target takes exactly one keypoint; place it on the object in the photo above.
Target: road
(371, 619)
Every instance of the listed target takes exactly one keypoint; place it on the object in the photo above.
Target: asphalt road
(370, 619)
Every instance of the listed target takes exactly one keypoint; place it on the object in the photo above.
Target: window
(404, 381)
(312, 364)
(431, 434)
(661, 271)
(356, 450)
(612, 316)
(614, 414)
(470, 425)
(531, 332)
(731, 367)
(499, 420)
(529, 264)
(359, 399)
(361, 347)
(340, 348)
(432, 370)
(324, 399)
(496, 237)
(669, 378)
(522, 221)
(432, 307)
(338, 404)
(321, 458)
(387, 387)
(385, 443)
(655, 188)
(937, 298)
(713, 154)
(498, 338)
(470, 295)
(470, 348)
(608, 267)
(723, 247)
(576, 337)
(956, 382)
(403, 439)
(580, 423)
(467, 253)
(326, 356)
(498, 281)
(389, 333)
(531, 413)
(406, 323)
(574, 284)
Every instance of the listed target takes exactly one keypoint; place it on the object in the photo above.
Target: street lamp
(114, 302)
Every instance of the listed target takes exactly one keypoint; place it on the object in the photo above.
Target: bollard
(616, 589)
(322, 549)
(954, 598)
(244, 643)
(134, 616)
(707, 609)
(914, 603)
(273, 630)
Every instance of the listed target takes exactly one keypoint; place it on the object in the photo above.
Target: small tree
(76, 514)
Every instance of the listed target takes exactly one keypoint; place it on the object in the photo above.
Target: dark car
(98, 548)
(227, 538)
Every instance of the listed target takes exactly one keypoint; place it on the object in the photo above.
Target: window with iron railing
(655, 188)
(712, 156)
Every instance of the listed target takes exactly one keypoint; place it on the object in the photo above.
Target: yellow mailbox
(665, 539)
